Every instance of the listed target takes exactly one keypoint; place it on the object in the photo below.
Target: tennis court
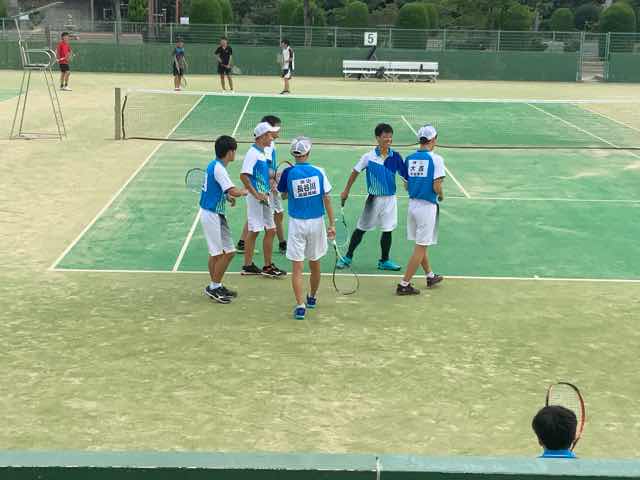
(548, 190)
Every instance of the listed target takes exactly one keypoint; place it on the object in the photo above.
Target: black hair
(285, 41)
(64, 34)
(555, 427)
(424, 141)
(383, 128)
(224, 144)
(223, 38)
(271, 120)
(179, 39)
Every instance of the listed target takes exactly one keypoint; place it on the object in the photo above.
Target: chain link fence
(336, 37)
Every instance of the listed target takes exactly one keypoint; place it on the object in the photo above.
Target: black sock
(356, 238)
(385, 245)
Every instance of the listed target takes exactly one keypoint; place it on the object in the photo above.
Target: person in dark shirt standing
(224, 53)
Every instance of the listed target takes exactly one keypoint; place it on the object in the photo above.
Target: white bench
(388, 70)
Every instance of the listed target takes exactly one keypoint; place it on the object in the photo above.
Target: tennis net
(461, 123)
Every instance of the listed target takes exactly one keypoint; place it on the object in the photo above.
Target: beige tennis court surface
(122, 351)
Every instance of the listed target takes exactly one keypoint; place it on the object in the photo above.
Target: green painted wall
(317, 61)
(624, 67)
(270, 466)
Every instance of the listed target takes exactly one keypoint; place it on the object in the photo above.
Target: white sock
(403, 283)
(302, 306)
(214, 285)
(431, 275)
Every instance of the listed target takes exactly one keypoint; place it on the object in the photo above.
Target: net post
(335, 37)
(118, 114)
(171, 33)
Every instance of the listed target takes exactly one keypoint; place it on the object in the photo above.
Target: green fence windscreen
(315, 61)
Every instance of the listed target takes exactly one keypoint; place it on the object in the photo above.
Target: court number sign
(370, 39)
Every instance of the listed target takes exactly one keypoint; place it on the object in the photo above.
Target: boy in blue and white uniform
(424, 173)
(381, 207)
(216, 190)
(256, 177)
(555, 426)
(307, 189)
(274, 198)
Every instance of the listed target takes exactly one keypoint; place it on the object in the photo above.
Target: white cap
(264, 127)
(428, 132)
(300, 146)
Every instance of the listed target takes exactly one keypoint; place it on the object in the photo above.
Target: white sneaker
(67, 89)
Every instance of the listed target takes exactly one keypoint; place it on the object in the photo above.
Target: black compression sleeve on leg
(385, 245)
(356, 238)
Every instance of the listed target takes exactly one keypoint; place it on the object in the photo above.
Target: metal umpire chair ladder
(36, 60)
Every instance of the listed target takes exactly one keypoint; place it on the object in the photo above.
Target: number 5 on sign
(370, 39)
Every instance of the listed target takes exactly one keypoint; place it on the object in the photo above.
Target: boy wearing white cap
(424, 173)
(307, 189)
(255, 176)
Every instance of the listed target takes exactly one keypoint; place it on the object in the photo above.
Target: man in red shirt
(63, 53)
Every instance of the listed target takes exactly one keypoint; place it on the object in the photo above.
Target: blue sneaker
(299, 312)
(344, 262)
(388, 265)
(311, 302)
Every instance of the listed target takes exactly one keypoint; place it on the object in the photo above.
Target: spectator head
(384, 134)
(274, 122)
(555, 427)
(179, 42)
(284, 42)
(224, 41)
(64, 36)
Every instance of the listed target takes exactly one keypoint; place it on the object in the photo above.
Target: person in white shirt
(288, 64)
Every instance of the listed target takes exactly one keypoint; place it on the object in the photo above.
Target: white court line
(610, 118)
(192, 230)
(611, 100)
(375, 275)
(582, 129)
(186, 242)
(455, 180)
(517, 199)
(117, 194)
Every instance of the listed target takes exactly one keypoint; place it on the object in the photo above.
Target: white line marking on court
(235, 129)
(610, 118)
(192, 230)
(581, 129)
(117, 194)
(516, 199)
(611, 100)
(455, 180)
(373, 275)
(186, 242)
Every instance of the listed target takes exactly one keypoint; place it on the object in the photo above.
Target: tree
(318, 15)
(384, 16)
(137, 11)
(412, 15)
(586, 16)
(356, 14)
(206, 11)
(517, 17)
(619, 17)
(227, 11)
(286, 10)
(433, 15)
(562, 20)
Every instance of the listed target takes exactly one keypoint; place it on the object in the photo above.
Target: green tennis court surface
(508, 213)
(7, 94)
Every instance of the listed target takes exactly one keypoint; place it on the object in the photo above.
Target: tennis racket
(567, 395)
(181, 67)
(235, 70)
(346, 283)
(280, 60)
(342, 229)
(194, 180)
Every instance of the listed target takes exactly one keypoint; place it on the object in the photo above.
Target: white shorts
(275, 202)
(216, 233)
(422, 222)
(379, 212)
(259, 216)
(307, 239)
